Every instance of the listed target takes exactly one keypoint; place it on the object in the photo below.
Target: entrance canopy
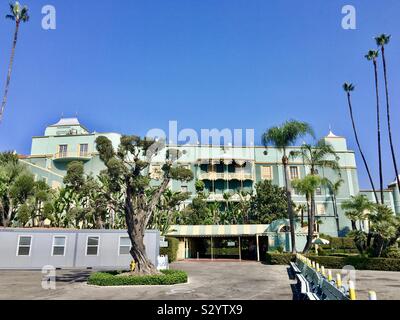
(218, 230)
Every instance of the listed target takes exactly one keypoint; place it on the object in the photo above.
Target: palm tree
(316, 156)
(372, 55)
(283, 137)
(356, 207)
(348, 88)
(307, 186)
(382, 41)
(334, 188)
(302, 207)
(18, 14)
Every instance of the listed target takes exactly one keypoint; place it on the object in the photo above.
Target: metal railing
(67, 155)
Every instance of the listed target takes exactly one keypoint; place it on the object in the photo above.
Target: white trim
(119, 245)
(30, 245)
(65, 246)
(98, 245)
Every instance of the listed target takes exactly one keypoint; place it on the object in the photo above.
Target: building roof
(67, 122)
(332, 135)
(217, 230)
(394, 182)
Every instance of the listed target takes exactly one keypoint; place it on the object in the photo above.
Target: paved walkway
(207, 280)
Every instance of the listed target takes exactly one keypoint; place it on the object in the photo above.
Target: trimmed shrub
(331, 262)
(358, 262)
(114, 278)
(342, 243)
(392, 252)
(279, 258)
(171, 250)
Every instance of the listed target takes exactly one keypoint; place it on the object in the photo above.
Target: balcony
(72, 156)
(241, 176)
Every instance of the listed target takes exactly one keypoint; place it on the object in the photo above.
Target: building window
(24, 246)
(83, 150)
(318, 192)
(92, 248)
(59, 243)
(266, 173)
(294, 173)
(184, 189)
(124, 245)
(321, 209)
(62, 151)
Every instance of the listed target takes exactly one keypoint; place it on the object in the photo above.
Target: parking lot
(207, 280)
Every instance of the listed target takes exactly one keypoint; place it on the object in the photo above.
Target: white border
(98, 245)
(65, 245)
(119, 245)
(30, 246)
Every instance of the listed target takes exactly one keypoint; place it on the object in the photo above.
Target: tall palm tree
(348, 88)
(356, 207)
(302, 208)
(18, 14)
(334, 188)
(382, 41)
(318, 156)
(283, 137)
(307, 186)
(372, 55)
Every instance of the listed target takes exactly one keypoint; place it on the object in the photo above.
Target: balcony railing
(226, 176)
(72, 155)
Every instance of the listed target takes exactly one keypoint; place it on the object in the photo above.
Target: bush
(171, 250)
(342, 243)
(358, 262)
(392, 252)
(114, 278)
(279, 258)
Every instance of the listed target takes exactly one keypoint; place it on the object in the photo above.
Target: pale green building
(222, 168)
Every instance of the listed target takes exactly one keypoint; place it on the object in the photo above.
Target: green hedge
(113, 279)
(359, 263)
(279, 258)
(171, 250)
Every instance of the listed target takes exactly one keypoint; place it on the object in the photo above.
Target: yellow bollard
(372, 295)
(317, 267)
(329, 275)
(323, 271)
(352, 290)
(338, 280)
(313, 264)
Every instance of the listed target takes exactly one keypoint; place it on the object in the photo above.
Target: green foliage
(171, 250)
(200, 186)
(268, 204)
(392, 252)
(276, 258)
(358, 262)
(287, 134)
(168, 277)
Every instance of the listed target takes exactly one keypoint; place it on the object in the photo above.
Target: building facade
(223, 169)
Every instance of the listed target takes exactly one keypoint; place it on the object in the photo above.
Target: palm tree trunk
(289, 203)
(336, 213)
(311, 222)
(10, 66)
(359, 147)
(379, 131)
(388, 118)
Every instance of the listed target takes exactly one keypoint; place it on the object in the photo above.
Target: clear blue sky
(132, 65)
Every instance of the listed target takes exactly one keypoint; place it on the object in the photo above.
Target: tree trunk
(379, 131)
(388, 119)
(10, 66)
(311, 222)
(353, 225)
(289, 202)
(377, 245)
(359, 148)
(302, 218)
(336, 213)
(135, 222)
